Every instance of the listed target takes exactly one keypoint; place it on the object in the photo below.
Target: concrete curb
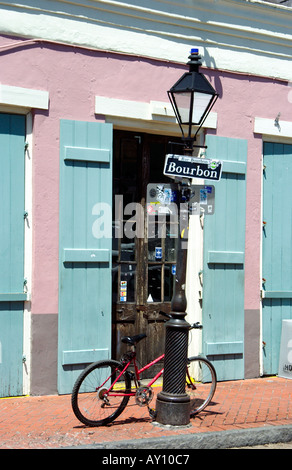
(206, 440)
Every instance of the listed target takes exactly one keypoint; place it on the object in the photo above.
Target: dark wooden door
(143, 262)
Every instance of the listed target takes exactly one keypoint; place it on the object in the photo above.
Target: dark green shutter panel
(84, 252)
(224, 252)
(12, 139)
(277, 241)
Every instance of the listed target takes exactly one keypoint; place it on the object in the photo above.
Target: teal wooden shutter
(223, 268)
(277, 249)
(85, 251)
(12, 138)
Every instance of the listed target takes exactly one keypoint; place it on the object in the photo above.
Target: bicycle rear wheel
(91, 402)
(201, 383)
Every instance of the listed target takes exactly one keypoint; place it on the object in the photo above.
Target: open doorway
(143, 265)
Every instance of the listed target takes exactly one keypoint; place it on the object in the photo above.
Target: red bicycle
(103, 389)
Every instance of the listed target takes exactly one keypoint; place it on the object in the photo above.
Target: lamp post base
(173, 411)
(173, 403)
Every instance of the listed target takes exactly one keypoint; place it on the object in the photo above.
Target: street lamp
(192, 98)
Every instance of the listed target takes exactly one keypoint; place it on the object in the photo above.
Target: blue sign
(158, 252)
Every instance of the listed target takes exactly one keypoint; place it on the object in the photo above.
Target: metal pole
(173, 403)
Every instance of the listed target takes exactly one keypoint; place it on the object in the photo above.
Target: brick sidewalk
(48, 421)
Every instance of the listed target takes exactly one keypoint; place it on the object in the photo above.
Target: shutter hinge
(26, 145)
(200, 274)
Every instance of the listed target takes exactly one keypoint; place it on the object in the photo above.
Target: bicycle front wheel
(93, 400)
(201, 383)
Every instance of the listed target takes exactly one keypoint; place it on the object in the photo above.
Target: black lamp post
(192, 98)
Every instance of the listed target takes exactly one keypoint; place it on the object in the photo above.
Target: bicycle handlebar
(165, 314)
(194, 326)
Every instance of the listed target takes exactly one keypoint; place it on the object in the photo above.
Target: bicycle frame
(139, 371)
(136, 377)
(123, 381)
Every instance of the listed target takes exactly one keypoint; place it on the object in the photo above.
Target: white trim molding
(275, 128)
(154, 116)
(23, 97)
(247, 36)
(28, 227)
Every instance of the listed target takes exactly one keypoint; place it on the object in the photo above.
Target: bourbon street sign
(181, 166)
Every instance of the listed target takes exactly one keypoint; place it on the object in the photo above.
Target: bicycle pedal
(152, 413)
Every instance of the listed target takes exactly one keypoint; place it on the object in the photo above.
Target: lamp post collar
(195, 60)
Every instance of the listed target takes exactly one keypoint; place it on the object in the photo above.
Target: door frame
(194, 262)
(27, 99)
(266, 128)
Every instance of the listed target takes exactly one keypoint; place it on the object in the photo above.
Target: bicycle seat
(133, 340)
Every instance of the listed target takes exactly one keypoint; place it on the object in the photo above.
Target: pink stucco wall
(73, 77)
(242, 98)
